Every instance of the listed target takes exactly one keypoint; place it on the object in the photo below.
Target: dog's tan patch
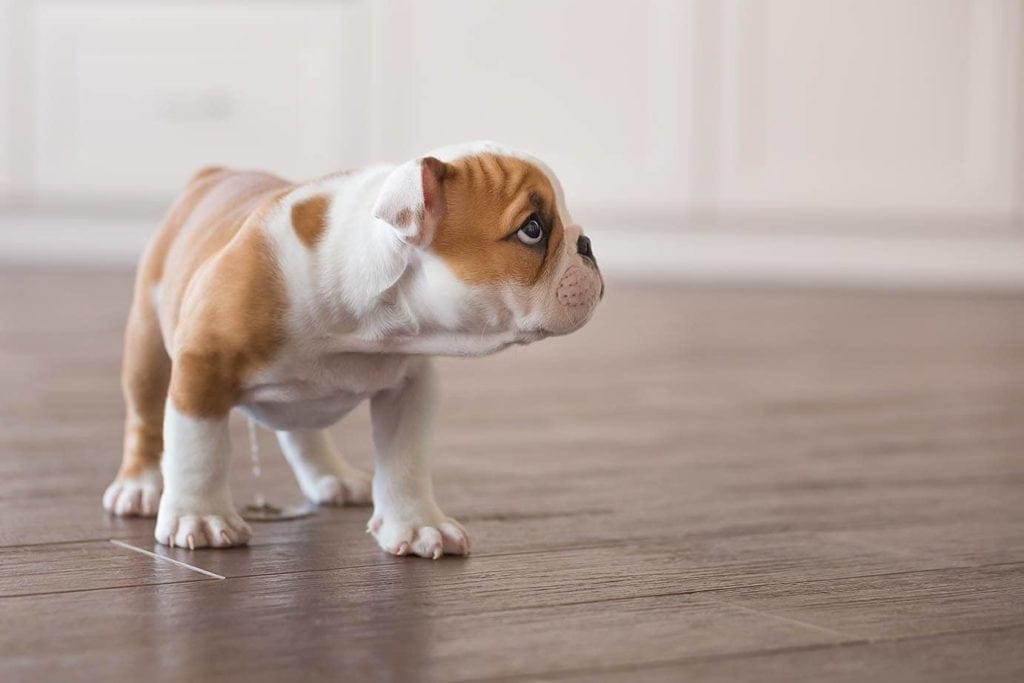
(309, 219)
(487, 199)
(216, 277)
(232, 326)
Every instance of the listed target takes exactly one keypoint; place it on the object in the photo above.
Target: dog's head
(498, 250)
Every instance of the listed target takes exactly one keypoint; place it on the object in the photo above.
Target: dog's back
(207, 215)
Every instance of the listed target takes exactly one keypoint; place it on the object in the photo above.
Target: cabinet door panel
(897, 105)
(129, 99)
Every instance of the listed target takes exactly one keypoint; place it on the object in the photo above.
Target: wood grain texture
(66, 567)
(991, 655)
(701, 484)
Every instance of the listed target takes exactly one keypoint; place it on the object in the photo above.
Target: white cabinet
(908, 106)
(745, 121)
(832, 113)
(129, 98)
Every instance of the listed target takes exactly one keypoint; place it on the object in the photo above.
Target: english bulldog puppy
(295, 302)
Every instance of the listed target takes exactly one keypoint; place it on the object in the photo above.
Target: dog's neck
(361, 285)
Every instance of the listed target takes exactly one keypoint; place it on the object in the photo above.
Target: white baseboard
(66, 238)
(754, 256)
(805, 258)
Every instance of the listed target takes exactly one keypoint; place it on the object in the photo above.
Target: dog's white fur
(366, 310)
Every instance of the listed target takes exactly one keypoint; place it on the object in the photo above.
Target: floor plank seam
(953, 563)
(320, 570)
(860, 576)
(128, 546)
(474, 556)
(750, 654)
(945, 634)
(695, 591)
(515, 517)
(597, 545)
(659, 664)
(46, 543)
(36, 594)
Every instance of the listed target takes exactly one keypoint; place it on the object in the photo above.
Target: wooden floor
(732, 485)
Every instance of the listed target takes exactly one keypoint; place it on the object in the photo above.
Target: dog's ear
(412, 200)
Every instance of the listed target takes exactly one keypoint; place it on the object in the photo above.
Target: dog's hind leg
(145, 375)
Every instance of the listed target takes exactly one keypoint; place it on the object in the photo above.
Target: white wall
(812, 140)
(7, 88)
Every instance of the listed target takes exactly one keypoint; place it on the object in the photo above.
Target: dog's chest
(313, 391)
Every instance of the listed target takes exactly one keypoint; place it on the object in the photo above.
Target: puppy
(295, 303)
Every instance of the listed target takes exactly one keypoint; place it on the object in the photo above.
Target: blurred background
(809, 141)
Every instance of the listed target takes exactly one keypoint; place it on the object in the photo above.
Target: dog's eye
(531, 232)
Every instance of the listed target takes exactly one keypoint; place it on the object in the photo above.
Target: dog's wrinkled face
(498, 224)
(504, 234)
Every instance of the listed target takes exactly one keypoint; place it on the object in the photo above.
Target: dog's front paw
(352, 488)
(427, 535)
(218, 528)
(135, 496)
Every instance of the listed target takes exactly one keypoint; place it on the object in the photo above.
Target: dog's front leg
(196, 510)
(405, 517)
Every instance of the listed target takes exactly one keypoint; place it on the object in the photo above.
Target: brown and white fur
(295, 303)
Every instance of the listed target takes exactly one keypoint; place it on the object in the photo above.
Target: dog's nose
(583, 247)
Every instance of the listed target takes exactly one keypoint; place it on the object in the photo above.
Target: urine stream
(260, 510)
(254, 460)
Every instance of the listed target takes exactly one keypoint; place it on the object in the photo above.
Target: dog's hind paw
(330, 489)
(136, 496)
